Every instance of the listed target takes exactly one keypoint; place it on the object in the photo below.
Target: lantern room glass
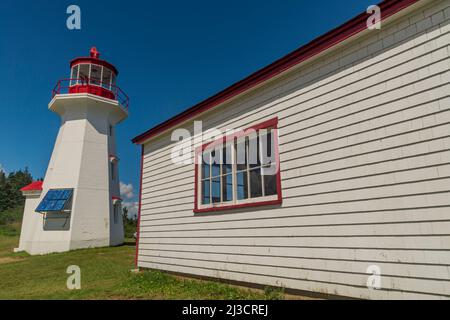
(92, 74)
(95, 75)
(83, 74)
(106, 78)
(74, 75)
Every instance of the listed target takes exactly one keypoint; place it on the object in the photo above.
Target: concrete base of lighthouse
(81, 160)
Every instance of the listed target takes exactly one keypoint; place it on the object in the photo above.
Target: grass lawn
(105, 274)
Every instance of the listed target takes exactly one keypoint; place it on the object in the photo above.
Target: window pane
(113, 84)
(205, 171)
(267, 147)
(254, 153)
(255, 183)
(106, 79)
(113, 171)
(215, 190)
(242, 185)
(206, 194)
(270, 185)
(84, 73)
(227, 188)
(116, 213)
(74, 75)
(215, 165)
(96, 73)
(227, 162)
(241, 154)
(206, 168)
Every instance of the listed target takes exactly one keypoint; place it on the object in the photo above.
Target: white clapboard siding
(361, 218)
(412, 242)
(364, 255)
(338, 266)
(280, 281)
(364, 141)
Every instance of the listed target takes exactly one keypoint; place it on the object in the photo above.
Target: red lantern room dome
(94, 76)
(94, 58)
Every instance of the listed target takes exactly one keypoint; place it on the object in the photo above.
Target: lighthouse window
(74, 75)
(96, 74)
(113, 171)
(56, 221)
(106, 79)
(84, 73)
(113, 80)
(116, 213)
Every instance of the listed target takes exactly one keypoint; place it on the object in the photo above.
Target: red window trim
(272, 123)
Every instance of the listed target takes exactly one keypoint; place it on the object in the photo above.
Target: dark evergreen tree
(3, 193)
(129, 224)
(10, 194)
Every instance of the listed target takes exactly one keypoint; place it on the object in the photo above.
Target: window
(56, 221)
(113, 79)
(106, 79)
(74, 75)
(113, 170)
(116, 213)
(217, 176)
(239, 170)
(84, 73)
(113, 160)
(96, 75)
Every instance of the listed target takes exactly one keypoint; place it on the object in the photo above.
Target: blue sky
(170, 54)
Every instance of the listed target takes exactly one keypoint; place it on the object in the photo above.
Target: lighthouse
(78, 204)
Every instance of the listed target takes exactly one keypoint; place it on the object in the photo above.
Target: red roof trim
(313, 48)
(34, 186)
(92, 60)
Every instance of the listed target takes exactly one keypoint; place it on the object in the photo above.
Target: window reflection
(96, 75)
(74, 75)
(84, 74)
(106, 78)
(246, 169)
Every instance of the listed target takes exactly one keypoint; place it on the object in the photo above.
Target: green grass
(105, 274)
(10, 222)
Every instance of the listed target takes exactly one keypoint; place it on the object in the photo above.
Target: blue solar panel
(55, 200)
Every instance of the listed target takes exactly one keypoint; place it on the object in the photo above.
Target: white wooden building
(362, 140)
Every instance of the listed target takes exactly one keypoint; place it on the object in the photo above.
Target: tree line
(10, 185)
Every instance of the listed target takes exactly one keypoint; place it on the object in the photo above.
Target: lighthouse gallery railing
(67, 86)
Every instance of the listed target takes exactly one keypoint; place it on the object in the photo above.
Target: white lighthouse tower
(78, 204)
